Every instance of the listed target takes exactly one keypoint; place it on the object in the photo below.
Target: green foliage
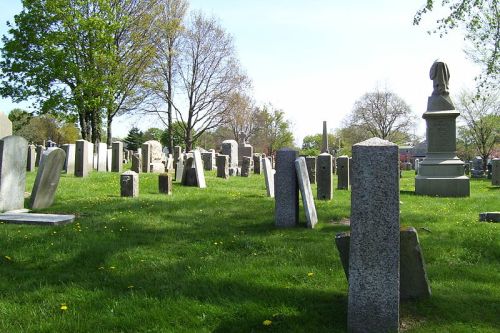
(275, 131)
(153, 133)
(39, 129)
(177, 135)
(312, 144)
(134, 139)
(19, 118)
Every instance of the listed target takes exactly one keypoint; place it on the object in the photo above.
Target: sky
(314, 58)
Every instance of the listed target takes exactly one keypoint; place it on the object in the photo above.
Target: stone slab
(69, 162)
(230, 148)
(129, 184)
(165, 183)
(81, 155)
(222, 162)
(324, 176)
(198, 166)
(102, 157)
(306, 192)
(37, 219)
(245, 166)
(495, 172)
(343, 173)
(489, 217)
(30, 163)
(117, 157)
(13, 159)
(268, 176)
(311, 168)
(47, 178)
(286, 189)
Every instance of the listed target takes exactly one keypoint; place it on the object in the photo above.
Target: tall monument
(441, 173)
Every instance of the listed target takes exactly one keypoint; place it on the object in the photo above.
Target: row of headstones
(383, 264)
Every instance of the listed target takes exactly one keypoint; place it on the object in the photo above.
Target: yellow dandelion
(8, 258)
(310, 274)
(112, 267)
(130, 287)
(64, 307)
(267, 322)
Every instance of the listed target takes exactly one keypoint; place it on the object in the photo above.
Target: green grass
(211, 260)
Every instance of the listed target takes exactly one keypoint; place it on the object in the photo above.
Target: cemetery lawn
(211, 260)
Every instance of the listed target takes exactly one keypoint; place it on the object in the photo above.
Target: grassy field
(211, 260)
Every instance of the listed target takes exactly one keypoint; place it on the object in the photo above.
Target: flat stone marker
(47, 178)
(414, 283)
(311, 168)
(268, 176)
(306, 192)
(222, 162)
(37, 219)
(81, 155)
(373, 300)
(13, 156)
(343, 173)
(489, 217)
(198, 166)
(286, 190)
(117, 157)
(245, 166)
(165, 183)
(129, 184)
(69, 162)
(324, 177)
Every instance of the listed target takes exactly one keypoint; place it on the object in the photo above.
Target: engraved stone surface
(268, 176)
(36, 219)
(311, 168)
(47, 178)
(324, 175)
(129, 184)
(13, 156)
(286, 189)
(136, 163)
(207, 158)
(69, 162)
(495, 172)
(81, 158)
(117, 157)
(165, 183)
(306, 192)
(30, 163)
(102, 157)
(230, 148)
(245, 166)
(223, 166)
(343, 173)
(373, 300)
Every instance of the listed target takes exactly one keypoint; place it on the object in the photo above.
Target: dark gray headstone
(306, 192)
(245, 166)
(324, 141)
(311, 168)
(81, 158)
(39, 151)
(495, 172)
(165, 183)
(207, 160)
(343, 173)
(350, 171)
(69, 162)
(286, 189)
(256, 164)
(129, 184)
(222, 162)
(324, 177)
(47, 178)
(13, 156)
(373, 300)
(146, 157)
(117, 157)
(177, 153)
(489, 217)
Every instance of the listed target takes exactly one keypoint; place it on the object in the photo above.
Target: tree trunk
(170, 131)
(109, 140)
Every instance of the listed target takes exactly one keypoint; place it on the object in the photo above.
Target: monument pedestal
(441, 173)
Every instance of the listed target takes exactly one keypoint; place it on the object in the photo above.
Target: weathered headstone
(69, 161)
(306, 192)
(179, 169)
(230, 148)
(109, 160)
(47, 178)
(30, 163)
(343, 173)
(495, 172)
(5, 126)
(81, 158)
(177, 153)
(257, 164)
(350, 171)
(39, 151)
(223, 166)
(207, 160)
(198, 166)
(373, 300)
(489, 217)
(245, 166)
(189, 172)
(90, 156)
(268, 176)
(146, 157)
(324, 175)
(129, 184)
(286, 189)
(13, 156)
(102, 157)
(117, 157)
(136, 163)
(165, 183)
(311, 168)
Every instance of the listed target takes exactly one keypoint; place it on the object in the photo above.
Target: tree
(382, 114)
(243, 116)
(481, 22)
(134, 139)
(177, 130)
(312, 144)
(19, 118)
(275, 132)
(153, 133)
(482, 119)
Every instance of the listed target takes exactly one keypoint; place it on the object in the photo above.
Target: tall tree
(275, 132)
(383, 114)
(482, 118)
(480, 20)
(311, 144)
(134, 139)
(243, 116)
(19, 118)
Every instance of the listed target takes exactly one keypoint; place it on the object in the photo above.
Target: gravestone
(129, 184)
(268, 176)
(69, 161)
(165, 183)
(207, 160)
(441, 173)
(153, 156)
(39, 151)
(5, 126)
(177, 153)
(245, 166)
(343, 173)
(489, 217)
(179, 170)
(222, 166)
(136, 163)
(324, 140)
(311, 168)
(256, 164)
(230, 148)
(81, 158)
(102, 157)
(189, 172)
(306, 192)
(324, 175)
(47, 178)
(286, 189)
(146, 157)
(373, 299)
(350, 171)
(495, 172)
(30, 163)
(198, 166)
(109, 160)
(13, 156)
(117, 157)
(91, 156)
(244, 150)
(417, 161)
(37, 219)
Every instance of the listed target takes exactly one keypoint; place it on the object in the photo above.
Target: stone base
(442, 186)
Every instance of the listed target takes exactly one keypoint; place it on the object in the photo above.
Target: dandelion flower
(310, 274)
(64, 307)
(8, 258)
(267, 322)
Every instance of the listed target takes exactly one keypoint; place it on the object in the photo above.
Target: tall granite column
(373, 301)
(286, 189)
(81, 158)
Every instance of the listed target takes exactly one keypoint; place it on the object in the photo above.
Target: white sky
(314, 58)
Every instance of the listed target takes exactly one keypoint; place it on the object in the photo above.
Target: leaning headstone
(69, 162)
(13, 156)
(222, 166)
(373, 299)
(5, 126)
(324, 175)
(136, 163)
(165, 183)
(39, 151)
(117, 157)
(47, 178)
(30, 163)
(102, 157)
(81, 158)
(257, 164)
(306, 192)
(286, 189)
(245, 166)
(268, 176)
(311, 168)
(129, 184)
(198, 166)
(495, 172)
(343, 173)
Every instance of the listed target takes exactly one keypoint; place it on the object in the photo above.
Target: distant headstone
(39, 151)
(324, 140)
(230, 148)
(489, 217)
(495, 172)
(189, 172)
(244, 150)
(257, 164)
(311, 168)
(136, 163)
(198, 166)
(13, 156)
(129, 184)
(91, 156)
(5, 126)
(207, 160)
(117, 157)
(177, 153)
(343, 173)
(286, 189)
(350, 170)
(109, 160)
(47, 178)
(165, 183)
(268, 176)
(222, 166)
(69, 161)
(306, 192)
(179, 169)
(373, 298)
(245, 166)
(81, 158)
(102, 157)
(324, 177)
(30, 163)
(152, 157)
